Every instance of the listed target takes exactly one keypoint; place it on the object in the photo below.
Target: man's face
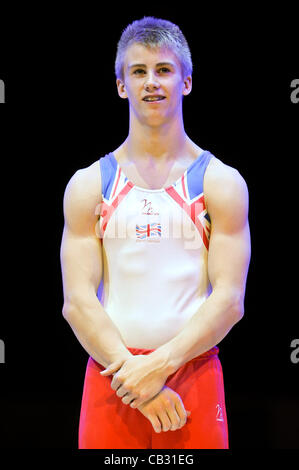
(155, 72)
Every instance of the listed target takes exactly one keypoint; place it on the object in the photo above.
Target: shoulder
(226, 191)
(85, 182)
(83, 192)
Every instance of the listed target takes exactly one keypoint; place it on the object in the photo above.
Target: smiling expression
(153, 84)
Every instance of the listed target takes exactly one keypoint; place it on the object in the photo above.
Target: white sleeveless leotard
(155, 246)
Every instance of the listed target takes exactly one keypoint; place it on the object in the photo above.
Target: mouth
(153, 98)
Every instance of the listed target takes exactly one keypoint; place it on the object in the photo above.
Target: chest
(152, 175)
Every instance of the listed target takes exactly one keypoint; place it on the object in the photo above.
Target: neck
(161, 142)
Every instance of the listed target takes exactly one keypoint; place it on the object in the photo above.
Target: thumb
(188, 413)
(113, 367)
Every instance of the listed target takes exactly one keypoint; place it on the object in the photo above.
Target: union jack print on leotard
(148, 231)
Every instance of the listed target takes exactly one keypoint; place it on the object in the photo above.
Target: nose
(151, 82)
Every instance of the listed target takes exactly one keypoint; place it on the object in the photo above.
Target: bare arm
(81, 264)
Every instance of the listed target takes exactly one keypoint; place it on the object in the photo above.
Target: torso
(149, 311)
(138, 330)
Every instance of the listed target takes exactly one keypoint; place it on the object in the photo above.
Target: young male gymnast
(161, 225)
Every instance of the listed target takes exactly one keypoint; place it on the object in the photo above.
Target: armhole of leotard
(207, 163)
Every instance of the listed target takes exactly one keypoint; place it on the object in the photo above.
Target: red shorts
(106, 423)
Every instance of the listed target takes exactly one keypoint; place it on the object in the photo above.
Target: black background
(62, 113)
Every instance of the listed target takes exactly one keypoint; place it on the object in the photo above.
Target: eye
(164, 70)
(137, 71)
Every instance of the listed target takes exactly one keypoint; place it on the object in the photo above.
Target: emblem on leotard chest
(147, 208)
(148, 232)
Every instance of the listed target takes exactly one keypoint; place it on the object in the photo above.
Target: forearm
(211, 323)
(96, 332)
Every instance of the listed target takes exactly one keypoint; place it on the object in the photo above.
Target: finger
(174, 419)
(137, 402)
(165, 421)
(133, 404)
(114, 367)
(127, 399)
(182, 413)
(173, 415)
(115, 382)
(156, 424)
(122, 391)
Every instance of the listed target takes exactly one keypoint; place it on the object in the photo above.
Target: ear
(121, 88)
(187, 85)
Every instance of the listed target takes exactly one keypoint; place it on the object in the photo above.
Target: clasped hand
(138, 379)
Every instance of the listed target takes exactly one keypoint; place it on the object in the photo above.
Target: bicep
(81, 264)
(81, 251)
(229, 256)
(230, 247)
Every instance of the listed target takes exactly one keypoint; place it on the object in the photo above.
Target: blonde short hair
(154, 32)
